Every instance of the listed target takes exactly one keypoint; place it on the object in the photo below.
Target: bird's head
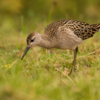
(32, 40)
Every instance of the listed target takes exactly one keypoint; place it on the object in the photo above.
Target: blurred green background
(55, 9)
(27, 13)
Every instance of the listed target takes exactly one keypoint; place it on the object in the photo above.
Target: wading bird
(63, 34)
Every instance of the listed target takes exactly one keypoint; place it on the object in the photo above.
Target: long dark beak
(26, 50)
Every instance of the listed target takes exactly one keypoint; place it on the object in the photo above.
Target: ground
(42, 75)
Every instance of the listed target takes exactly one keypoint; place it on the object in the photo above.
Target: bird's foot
(72, 71)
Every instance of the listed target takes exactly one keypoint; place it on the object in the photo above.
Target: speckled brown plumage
(81, 29)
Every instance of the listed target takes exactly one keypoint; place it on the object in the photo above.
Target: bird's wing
(51, 29)
(82, 29)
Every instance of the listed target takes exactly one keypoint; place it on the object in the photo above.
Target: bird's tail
(96, 26)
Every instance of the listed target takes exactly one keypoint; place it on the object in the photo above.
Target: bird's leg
(74, 61)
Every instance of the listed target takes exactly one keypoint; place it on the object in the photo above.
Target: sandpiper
(63, 34)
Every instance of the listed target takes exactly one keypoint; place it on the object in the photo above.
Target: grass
(44, 76)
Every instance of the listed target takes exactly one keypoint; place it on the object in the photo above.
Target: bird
(63, 34)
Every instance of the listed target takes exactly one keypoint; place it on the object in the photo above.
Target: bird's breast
(69, 40)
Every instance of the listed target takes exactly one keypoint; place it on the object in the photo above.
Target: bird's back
(52, 28)
(81, 29)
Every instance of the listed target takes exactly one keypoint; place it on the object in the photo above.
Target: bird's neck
(44, 42)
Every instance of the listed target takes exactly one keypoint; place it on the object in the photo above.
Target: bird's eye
(32, 40)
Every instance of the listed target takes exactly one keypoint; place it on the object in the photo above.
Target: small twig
(89, 53)
(67, 76)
